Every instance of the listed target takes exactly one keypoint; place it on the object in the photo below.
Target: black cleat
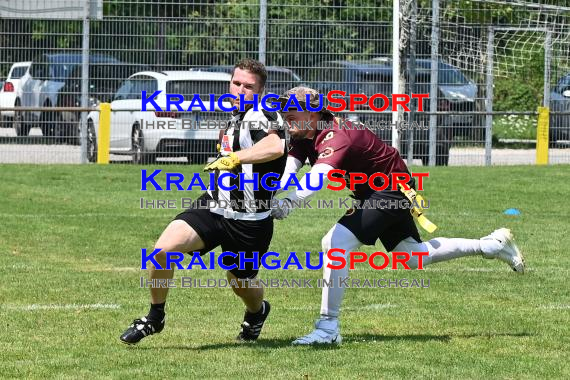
(141, 328)
(252, 323)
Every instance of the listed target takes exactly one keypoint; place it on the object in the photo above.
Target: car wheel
(72, 130)
(443, 146)
(60, 129)
(558, 129)
(552, 135)
(91, 142)
(69, 133)
(50, 123)
(442, 149)
(21, 128)
(442, 154)
(140, 156)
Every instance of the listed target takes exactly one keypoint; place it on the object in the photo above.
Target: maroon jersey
(350, 149)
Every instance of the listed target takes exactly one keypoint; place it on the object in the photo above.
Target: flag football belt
(235, 215)
(417, 210)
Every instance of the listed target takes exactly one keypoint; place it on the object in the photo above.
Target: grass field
(70, 241)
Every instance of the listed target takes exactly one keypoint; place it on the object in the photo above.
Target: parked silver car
(560, 102)
(55, 81)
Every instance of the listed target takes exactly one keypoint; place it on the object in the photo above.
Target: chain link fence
(483, 63)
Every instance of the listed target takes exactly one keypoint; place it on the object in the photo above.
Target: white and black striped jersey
(244, 130)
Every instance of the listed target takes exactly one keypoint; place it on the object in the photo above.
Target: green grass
(73, 234)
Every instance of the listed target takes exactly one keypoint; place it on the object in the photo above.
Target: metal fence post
(413, 31)
(262, 30)
(547, 67)
(395, 70)
(434, 82)
(84, 82)
(489, 97)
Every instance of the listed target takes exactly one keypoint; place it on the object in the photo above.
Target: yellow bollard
(104, 133)
(542, 136)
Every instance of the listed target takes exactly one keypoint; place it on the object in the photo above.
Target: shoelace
(251, 331)
(147, 328)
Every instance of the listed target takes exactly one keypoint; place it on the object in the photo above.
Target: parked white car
(139, 133)
(12, 90)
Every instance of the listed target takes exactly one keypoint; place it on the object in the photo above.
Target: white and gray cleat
(506, 250)
(327, 331)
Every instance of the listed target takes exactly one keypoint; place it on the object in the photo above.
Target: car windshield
(203, 88)
(450, 76)
(138, 85)
(63, 67)
(563, 84)
(447, 77)
(370, 83)
(133, 88)
(104, 79)
(18, 72)
(61, 70)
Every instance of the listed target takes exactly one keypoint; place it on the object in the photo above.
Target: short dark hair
(254, 67)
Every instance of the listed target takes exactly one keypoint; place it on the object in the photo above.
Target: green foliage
(514, 94)
(524, 89)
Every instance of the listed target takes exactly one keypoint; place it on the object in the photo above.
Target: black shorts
(232, 235)
(390, 225)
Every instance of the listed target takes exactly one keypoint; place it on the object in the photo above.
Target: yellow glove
(229, 162)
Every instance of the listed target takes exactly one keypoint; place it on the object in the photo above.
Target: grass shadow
(490, 335)
(391, 338)
(286, 342)
(352, 338)
(262, 343)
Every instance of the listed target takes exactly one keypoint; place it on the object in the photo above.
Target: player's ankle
(489, 246)
(156, 312)
(258, 310)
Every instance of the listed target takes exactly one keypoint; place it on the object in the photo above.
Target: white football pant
(440, 249)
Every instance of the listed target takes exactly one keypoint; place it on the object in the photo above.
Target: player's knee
(238, 291)
(160, 257)
(340, 237)
(235, 283)
(333, 239)
(413, 262)
(326, 241)
(176, 238)
(409, 245)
